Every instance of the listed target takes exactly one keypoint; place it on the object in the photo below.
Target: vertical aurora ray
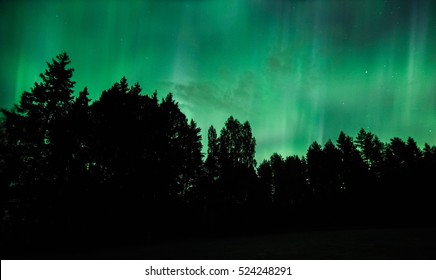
(299, 71)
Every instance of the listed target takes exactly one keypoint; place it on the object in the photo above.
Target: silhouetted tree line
(129, 167)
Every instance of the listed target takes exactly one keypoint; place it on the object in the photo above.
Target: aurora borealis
(298, 71)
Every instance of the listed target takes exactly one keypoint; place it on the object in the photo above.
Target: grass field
(377, 244)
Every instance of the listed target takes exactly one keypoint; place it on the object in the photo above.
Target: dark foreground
(377, 244)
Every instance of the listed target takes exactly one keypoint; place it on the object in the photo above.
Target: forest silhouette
(128, 168)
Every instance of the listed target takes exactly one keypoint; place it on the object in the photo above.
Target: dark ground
(373, 244)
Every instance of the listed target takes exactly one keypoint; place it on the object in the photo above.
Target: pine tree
(212, 160)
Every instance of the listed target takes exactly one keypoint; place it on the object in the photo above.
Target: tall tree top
(54, 95)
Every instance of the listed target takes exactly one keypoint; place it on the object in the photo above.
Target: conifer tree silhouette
(82, 173)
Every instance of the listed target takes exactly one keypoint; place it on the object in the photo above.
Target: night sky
(298, 71)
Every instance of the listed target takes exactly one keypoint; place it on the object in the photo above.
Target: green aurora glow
(298, 71)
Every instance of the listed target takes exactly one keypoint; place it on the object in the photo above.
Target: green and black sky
(298, 71)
